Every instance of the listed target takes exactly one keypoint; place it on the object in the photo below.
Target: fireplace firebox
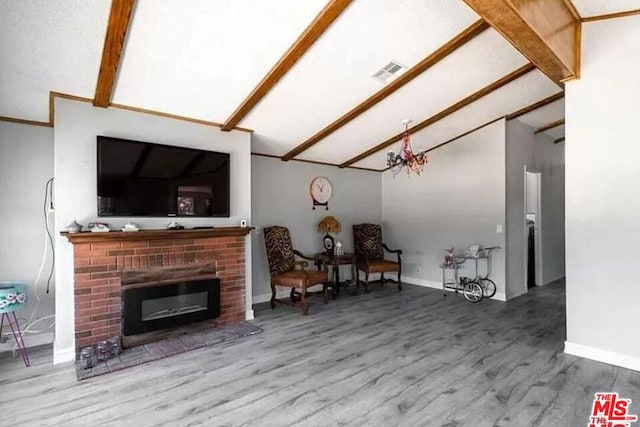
(153, 308)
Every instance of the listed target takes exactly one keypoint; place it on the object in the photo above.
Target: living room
(295, 101)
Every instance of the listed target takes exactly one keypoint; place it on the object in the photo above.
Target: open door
(532, 229)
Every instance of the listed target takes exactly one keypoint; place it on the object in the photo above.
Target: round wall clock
(321, 191)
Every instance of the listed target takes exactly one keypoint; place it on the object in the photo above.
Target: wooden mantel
(157, 234)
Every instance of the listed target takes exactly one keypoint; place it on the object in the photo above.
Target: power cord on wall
(48, 190)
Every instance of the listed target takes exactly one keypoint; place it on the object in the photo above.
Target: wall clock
(320, 191)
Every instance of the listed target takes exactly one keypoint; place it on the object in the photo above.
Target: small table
(335, 262)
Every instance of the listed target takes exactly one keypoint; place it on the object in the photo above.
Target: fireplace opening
(155, 307)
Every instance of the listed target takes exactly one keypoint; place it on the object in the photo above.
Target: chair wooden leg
(303, 300)
(381, 279)
(325, 289)
(399, 280)
(273, 297)
(366, 282)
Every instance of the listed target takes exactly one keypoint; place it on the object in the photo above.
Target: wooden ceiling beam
(314, 162)
(549, 126)
(311, 34)
(611, 15)
(547, 32)
(446, 112)
(119, 19)
(445, 50)
(535, 106)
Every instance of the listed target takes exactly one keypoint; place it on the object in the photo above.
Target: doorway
(532, 229)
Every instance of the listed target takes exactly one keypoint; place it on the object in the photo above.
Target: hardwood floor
(383, 359)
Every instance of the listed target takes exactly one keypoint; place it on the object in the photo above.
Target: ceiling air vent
(389, 72)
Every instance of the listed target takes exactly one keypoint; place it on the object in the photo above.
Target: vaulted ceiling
(201, 59)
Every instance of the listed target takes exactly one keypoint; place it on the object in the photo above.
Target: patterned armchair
(282, 266)
(369, 253)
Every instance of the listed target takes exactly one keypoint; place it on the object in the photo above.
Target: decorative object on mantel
(339, 249)
(99, 227)
(174, 226)
(321, 192)
(130, 226)
(74, 227)
(406, 158)
(329, 224)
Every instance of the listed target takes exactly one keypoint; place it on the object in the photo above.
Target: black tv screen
(154, 180)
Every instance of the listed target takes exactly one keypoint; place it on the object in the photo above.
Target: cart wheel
(488, 287)
(472, 292)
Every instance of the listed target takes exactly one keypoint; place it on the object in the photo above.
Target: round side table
(13, 296)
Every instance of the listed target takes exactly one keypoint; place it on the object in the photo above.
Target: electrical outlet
(499, 228)
(418, 270)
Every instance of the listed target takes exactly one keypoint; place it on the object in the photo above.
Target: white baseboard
(30, 340)
(553, 280)
(65, 355)
(257, 299)
(248, 315)
(499, 296)
(526, 290)
(600, 355)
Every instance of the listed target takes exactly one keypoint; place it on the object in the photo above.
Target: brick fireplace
(102, 260)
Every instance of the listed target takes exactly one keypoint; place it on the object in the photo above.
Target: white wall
(519, 148)
(458, 200)
(26, 163)
(77, 125)
(602, 202)
(280, 192)
(548, 159)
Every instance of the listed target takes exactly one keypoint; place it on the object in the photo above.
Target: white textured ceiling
(52, 45)
(588, 8)
(336, 74)
(480, 62)
(201, 58)
(545, 115)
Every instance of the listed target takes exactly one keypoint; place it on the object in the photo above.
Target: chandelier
(406, 158)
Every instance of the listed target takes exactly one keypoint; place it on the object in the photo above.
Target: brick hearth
(100, 260)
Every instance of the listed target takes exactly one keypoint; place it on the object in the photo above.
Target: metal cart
(473, 289)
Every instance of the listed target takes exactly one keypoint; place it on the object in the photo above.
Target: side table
(13, 296)
(335, 262)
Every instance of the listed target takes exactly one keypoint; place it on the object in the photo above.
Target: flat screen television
(142, 179)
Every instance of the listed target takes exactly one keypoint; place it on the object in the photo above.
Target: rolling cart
(473, 289)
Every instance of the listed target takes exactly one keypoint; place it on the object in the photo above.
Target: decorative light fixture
(406, 158)
(329, 225)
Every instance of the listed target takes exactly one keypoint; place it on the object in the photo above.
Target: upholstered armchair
(282, 266)
(369, 254)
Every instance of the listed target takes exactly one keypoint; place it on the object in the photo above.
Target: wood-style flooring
(382, 359)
